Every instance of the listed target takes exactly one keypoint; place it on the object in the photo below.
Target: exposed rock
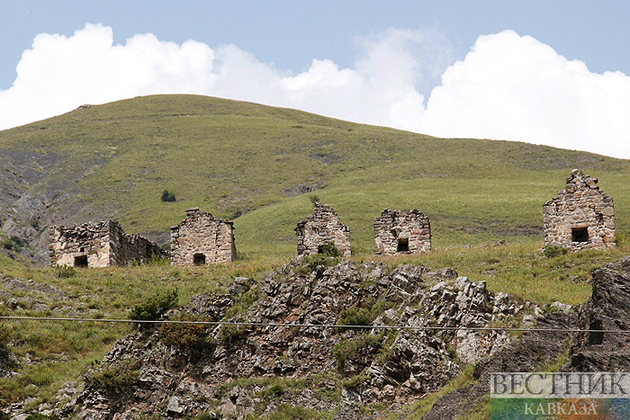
(389, 366)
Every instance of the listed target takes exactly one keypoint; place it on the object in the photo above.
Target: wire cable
(291, 325)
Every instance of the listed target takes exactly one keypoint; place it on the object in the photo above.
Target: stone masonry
(320, 229)
(397, 232)
(102, 244)
(202, 239)
(581, 216)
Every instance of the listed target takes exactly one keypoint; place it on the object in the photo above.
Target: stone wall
(397, 232)
(323, 227)
(102, 244)
(202, 239)
(581, 216)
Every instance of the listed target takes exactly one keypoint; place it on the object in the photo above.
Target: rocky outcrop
(605, 350)
(341, 354)
(607, 310)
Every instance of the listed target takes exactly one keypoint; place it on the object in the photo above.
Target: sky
(551, 72)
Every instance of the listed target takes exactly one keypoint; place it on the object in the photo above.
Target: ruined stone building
(397, 232)
(202, 239)
(321, 229)
(102, 244)
(581, 216)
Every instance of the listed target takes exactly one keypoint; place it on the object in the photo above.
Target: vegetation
(192, 337)
(246, 161)
(168, 196)
(155, 306)
(116, 160)
(114, 380)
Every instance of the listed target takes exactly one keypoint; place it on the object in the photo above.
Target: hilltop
(258, 165)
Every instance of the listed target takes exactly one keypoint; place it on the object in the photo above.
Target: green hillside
(252, 163)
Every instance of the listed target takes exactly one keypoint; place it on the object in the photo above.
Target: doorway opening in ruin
(81, 261)
(199, 259)
(579, 234)
(403, 245)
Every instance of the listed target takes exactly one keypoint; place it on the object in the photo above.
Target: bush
(168, 196)
(155, 306)
(116, 381)
(360, 350)
(329, 250)
(229, 335)
(555, 251)
(354, 315)
(292, 412)
(65, 271)
(187, 336)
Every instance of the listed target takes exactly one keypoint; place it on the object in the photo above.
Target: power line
(291, 325)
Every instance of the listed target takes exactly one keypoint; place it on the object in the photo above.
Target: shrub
(329, 250)
(231, 334)
(275, 390)
(187, 336)
(291, 412)
(115, 380)
(315, 260)
(361, 350)
(314, 199)
(555, 251)
(354, 315)
(168, 196)
(155, 307)
(65, 271)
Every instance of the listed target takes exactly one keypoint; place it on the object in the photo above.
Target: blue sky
(548, 72)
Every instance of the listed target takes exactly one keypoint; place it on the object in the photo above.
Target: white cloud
(507, 87)
(515, 88)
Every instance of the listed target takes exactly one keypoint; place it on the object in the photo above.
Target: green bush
(229, 335)
(192, 337)
(168, 196)
(361, 350)
(292, 412)
(65, 271)
(115, 380)
(354, 315)
(329, 250)
(555, 251)
(155, 306)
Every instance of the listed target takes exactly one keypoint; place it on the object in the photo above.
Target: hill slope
(240, 159)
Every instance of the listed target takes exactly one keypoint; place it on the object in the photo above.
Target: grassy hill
(251, 162)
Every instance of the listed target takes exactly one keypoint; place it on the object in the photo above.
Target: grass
(247, 162)
(64, 351)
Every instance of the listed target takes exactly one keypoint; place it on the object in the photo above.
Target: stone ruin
(320, 230)
(102, 244)
(396, 232)
(202, 239)
(581, 216)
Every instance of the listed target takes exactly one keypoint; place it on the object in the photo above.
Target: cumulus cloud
(60, 73)
(516, 88)
(507, 87)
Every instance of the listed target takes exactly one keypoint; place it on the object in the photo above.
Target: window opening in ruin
(81, 261)
(403, 245)
(199, 259)
(579, 234)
